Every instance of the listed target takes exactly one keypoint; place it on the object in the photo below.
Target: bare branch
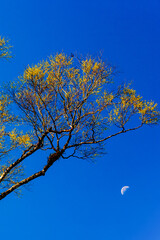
(104, 139)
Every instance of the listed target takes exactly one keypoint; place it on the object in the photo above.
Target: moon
(124, 189)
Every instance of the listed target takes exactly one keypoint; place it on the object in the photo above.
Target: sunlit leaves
(35, 72)
(18, 138)
(149, 112)
(9, 137)
(130, 104)
(4, 48)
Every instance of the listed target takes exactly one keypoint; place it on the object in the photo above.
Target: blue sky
(79, 200)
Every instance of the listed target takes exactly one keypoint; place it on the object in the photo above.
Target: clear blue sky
(79, 200)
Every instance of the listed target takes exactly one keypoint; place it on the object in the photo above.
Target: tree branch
(25, 155)
(52, 158)
(104, 139)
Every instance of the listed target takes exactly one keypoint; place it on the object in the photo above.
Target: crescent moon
(124, 189)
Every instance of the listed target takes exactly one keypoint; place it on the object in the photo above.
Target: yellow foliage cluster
(149, 112)
(19, 138)
(9, 138)
(90, 65)
(60, 60)
(92, 68)
(4, 48)
(5, 116)
(5, 119)
(35, 72)
(130, 104)
(57, 68)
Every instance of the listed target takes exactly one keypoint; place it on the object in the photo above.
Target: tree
(67, 106)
